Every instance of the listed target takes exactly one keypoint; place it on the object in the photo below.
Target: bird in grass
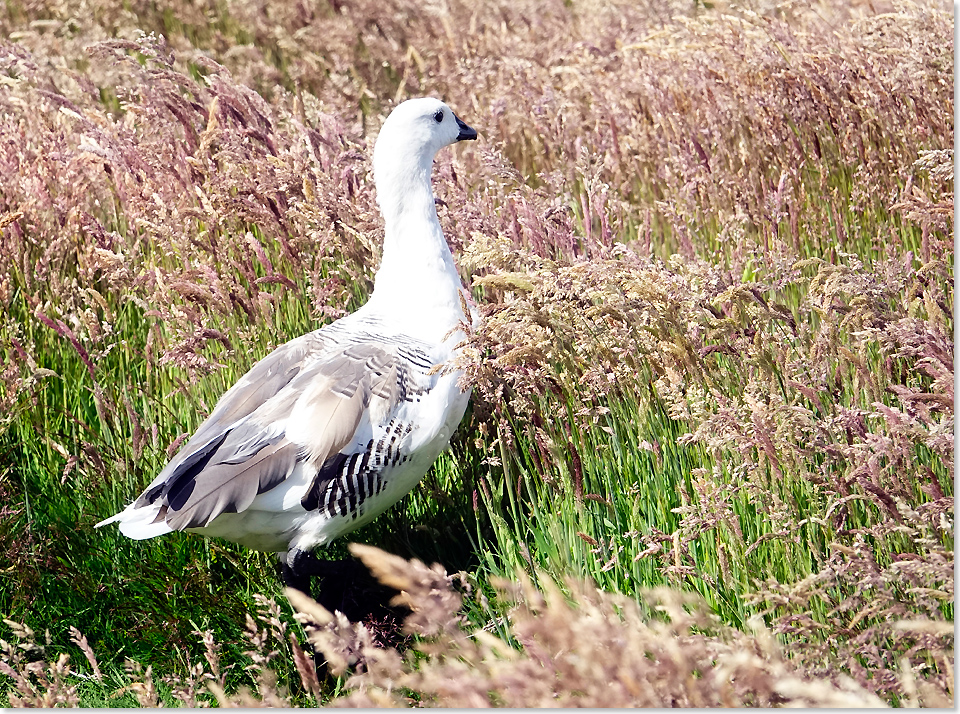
(333, 427)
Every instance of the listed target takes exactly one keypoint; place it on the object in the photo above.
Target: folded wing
(288, 409)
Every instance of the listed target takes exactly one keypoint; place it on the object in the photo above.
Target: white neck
(417, 285)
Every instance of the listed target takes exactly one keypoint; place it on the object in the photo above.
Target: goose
(335, 426)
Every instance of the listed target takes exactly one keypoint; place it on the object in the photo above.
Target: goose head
(408, 142)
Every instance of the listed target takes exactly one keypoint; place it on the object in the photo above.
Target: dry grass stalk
(582, 647)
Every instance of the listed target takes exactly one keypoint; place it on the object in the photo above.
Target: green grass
(140, 600)
(629, 492)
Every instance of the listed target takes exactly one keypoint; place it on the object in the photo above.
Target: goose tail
(139, 523)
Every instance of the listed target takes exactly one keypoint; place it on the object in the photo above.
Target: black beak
(466, 132)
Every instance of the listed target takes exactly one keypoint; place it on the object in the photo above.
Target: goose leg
(297, 568)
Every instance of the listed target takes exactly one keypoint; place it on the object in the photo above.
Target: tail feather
(139, 523)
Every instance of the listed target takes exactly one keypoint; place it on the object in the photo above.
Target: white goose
(330, 429)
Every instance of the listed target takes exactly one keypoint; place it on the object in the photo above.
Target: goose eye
(438, 117)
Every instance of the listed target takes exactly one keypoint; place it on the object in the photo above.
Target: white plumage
(332, 428)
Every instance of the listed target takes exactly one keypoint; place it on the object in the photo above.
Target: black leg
(299, 566)
(296, 570)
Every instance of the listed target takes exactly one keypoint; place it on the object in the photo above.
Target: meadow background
(709, 458)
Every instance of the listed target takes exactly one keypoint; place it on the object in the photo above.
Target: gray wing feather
(361, 377)
(262, 383)
(239, 451)
(227, 487)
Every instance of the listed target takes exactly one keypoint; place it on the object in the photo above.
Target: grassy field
(709, 455)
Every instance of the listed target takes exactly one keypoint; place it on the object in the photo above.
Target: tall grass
(712, 250)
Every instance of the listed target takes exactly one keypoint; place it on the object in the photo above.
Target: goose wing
(289, 408)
